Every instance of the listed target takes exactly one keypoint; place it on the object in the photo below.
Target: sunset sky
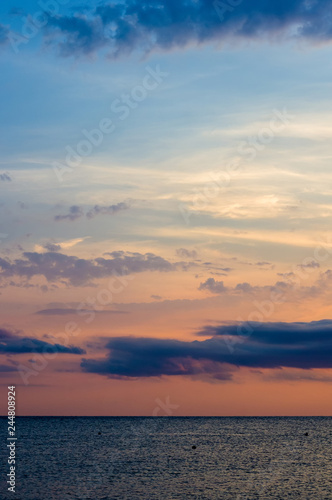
(166, 207)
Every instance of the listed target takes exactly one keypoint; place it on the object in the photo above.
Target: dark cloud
(166, 24)
(146, 357)
(77, 34)
(7, 369)
(111, 210)
(12, 343)
(5, 177)
(56, 266)
(269, 345)
(75, 212)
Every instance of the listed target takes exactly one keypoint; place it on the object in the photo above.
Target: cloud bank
(11, 343)
(122, 27)
(258, 345)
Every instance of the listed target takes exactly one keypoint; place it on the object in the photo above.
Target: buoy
(99, 433)
(194, 447)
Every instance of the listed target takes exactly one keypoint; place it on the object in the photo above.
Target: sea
(169, 458)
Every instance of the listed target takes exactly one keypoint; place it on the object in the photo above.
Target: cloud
(310, 265)
(145, 357)
(4, 35)
(280, 287)
(65, 312)
(75, 271)
(167, 24)
(12, 343)
(7, 369)
(156, 297)
(244, 287)
(5, 177)
(213, 286)
(269, 345)
(75, 212)
(183, 253)
(52, 247)
(111, 210)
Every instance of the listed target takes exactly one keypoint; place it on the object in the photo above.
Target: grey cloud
(213, 286)
(52, 247)
(5, 176)
(310, 265)
(110, 210)
(56, 266)
(75, 212)
(183, 253)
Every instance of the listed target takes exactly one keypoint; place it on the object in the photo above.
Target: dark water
(152, 458)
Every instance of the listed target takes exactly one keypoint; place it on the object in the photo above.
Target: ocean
(170, 458)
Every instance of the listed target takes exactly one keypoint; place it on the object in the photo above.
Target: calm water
(152, 458)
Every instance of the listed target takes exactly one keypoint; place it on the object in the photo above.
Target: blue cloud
(11, 343)
(146, 25)
(258, 345)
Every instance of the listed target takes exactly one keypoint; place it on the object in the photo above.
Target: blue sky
(150, 197)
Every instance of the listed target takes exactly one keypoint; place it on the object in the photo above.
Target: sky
(166, 204)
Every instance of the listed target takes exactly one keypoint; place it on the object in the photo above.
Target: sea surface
(154, 459)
